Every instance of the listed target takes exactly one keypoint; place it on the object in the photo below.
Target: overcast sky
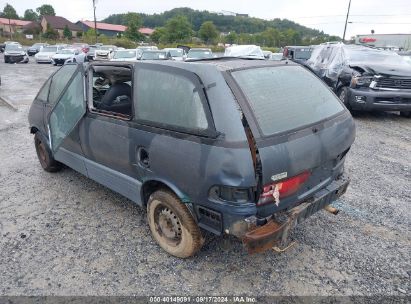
(392, 16)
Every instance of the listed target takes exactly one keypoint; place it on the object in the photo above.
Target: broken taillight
(275, 191)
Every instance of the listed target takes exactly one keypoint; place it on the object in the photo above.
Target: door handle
(143, 157)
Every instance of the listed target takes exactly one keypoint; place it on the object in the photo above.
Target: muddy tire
(47, 162)
(343, 95)
(172, 225)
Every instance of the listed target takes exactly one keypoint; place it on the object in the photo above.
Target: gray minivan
(232, 146)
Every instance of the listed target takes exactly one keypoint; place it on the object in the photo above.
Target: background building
(59, 23)
(110, 30)
(13, 25)
(401, 41)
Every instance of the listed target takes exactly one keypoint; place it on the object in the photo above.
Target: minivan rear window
(286, 97)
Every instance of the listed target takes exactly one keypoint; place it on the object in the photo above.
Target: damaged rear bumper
(277, 229)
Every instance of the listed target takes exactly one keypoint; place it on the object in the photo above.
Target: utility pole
(11, 30)
(95, 20)
(346, 19)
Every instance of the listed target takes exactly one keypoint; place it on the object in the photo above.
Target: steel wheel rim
(167, 225)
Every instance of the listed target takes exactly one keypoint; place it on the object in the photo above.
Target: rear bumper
(377, 100)
(279, 226)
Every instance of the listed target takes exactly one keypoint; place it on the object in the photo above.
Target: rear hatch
(301, 133)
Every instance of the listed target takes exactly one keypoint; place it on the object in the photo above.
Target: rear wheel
(47, 162)
(172, 225)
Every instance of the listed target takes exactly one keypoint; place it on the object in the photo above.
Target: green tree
(67, 33)
(178, 29)
(30, 15)
(208, 32)
(46, 10)
(231, 38)
(90, 33)
(134, 23)
(51, 33)
(9, 12)
(158, 34)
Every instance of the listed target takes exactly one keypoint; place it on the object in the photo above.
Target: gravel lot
(63, 234)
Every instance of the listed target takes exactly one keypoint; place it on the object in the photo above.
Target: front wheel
(172, 225)
(343, 95)
(47, 161)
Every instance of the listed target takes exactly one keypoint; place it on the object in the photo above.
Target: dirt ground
(63, 234)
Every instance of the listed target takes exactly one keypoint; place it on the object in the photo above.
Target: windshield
(153, 56)
(106, 48)
(65, 52)
(176, 52)
(124, 54)
(14, 47)
(302, 53)
(200, 54)
(49, 49)
(372, 55)
(286, 97)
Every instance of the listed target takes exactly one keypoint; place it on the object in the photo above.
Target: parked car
(3, 45)
(267, 54)
(82, 47)
(365, 79)
(92, 52)
(176, 53)
(105, 52)
(46, 54)
(298, 54)
(127, 55)
(35, 48)
(155, 55)
(199, 53)
(276, 56)
(245, 51)
(15, 53)
(406, 55)
(148, 48)
(253, 166)
(63, 55)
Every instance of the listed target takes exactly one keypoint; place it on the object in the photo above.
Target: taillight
(275, 191)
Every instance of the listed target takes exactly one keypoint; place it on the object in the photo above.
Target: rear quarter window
(284, 98)
(169, 101)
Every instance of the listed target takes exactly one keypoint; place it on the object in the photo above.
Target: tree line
(182, 24)
(29, 14)
(187, 25)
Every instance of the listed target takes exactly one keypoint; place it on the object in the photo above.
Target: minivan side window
(59, 81)
(169, 100)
